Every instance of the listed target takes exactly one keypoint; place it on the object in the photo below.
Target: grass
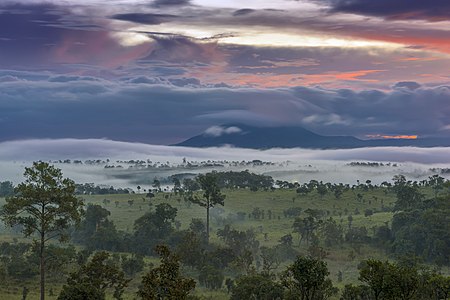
(241, 200)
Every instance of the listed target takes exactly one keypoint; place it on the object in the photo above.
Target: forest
(224, 235)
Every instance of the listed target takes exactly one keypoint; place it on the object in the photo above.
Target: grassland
(123, 214)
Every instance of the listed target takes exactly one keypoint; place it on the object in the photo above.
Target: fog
(299, 165)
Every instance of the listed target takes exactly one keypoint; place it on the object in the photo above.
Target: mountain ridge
(246, 136)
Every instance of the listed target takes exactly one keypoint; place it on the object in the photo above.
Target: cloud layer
(163, 112)
(162, 71)
(432, 10)
(29, 150)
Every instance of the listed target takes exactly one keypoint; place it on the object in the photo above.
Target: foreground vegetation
(242, 236)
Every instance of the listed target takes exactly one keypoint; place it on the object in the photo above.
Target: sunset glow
(161, 71)
(402, 137)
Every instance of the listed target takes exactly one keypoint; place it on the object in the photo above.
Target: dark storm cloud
(431, 10)
(144, 18)
(158, 3)
(52, 37)
(241, 12)
(422, 111)
(26, 32)
(407, 84)
(159, 112)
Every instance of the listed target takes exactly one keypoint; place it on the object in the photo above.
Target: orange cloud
(418, 59)
(436, 43)
(270, 80)
(96, 47)
(401, 137)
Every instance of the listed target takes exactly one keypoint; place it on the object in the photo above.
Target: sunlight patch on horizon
(262, 37)
(398, 137)
(294, 40)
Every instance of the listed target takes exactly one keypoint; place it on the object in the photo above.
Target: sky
(161, 71)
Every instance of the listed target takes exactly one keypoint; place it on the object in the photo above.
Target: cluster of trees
(369, 164)
(399, 280)
(20, 261)
(92, 189)
(243, 179)
(97, 232)
(94, 278)
(307, 278)
(420, 227)
(228, 180)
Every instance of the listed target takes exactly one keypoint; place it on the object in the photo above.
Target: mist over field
(300, 165)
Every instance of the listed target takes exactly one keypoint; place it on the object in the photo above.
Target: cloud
(159, 3)
(166, 111)
(9, 78)
(192, 41)
(407, 84)
(243, 11)
(144, 18)
(217, 131)
(49, 36)
(182, 50)
(49, 149)
(431, 10)
(66, 78)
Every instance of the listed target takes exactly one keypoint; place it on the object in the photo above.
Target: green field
(123, 214)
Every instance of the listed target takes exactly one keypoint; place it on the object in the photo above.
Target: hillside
(245, 136)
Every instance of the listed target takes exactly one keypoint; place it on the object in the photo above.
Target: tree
(6, 189)
(176, 185)
(306, 279)
(332, 232)
(96, 231)
(322, 190)
(256, 286)
(165, 282)
(424, 232)
(211, 195)
(92, 280)
(211, 277)
(154, 228)
(157, 185)
(437, 183)
(408, 197)
(374, 273)
(307, 226)
(355, 292)
(43, 204)
(132, 265)
(303, 190)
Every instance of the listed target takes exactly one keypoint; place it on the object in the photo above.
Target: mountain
(245, 136)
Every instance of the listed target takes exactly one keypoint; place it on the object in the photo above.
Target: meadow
(342, 260)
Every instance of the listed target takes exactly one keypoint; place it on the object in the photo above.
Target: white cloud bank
(29, 150)
(291, 164)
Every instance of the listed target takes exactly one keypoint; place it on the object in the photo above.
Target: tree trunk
(42, 266)
(207, 224)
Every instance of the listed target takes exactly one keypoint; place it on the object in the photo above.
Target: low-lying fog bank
(161, 161)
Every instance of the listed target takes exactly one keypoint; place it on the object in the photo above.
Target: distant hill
(245, 136)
